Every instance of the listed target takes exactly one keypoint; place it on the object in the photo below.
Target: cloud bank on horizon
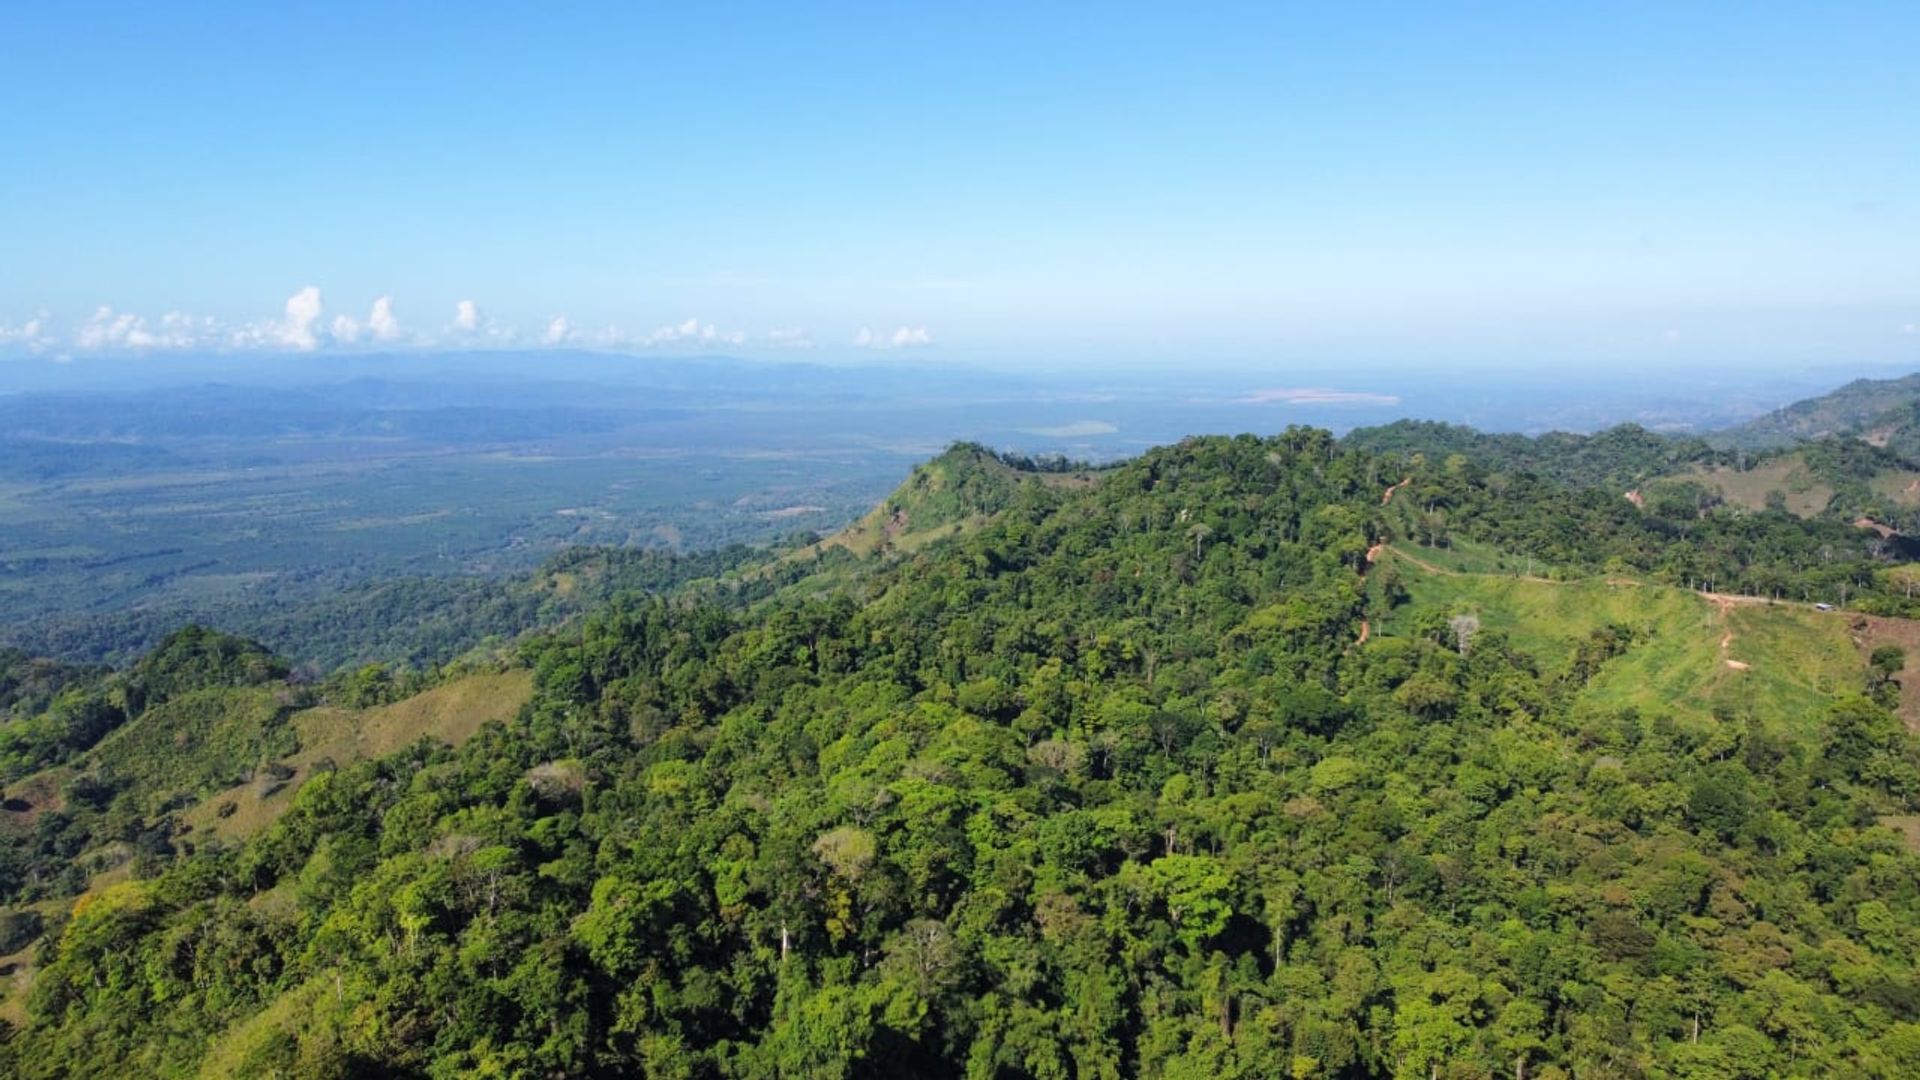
(302, 327)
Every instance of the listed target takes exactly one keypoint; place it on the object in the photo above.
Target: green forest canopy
(1100, 786)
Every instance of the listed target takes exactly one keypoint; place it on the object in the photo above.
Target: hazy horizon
(1530, 400)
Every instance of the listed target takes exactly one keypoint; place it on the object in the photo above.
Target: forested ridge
(1101, 785)
(1619, 457)
(1630, 499)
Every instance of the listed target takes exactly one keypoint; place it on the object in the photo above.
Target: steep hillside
(207, 764)
(1879, 410)
(101, 777)
(1897, 430)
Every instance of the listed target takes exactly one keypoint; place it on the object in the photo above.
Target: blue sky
(1033, 184)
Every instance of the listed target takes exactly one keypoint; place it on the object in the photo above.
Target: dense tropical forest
(1418, 753)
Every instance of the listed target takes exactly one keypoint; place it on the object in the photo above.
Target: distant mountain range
(1884, 412)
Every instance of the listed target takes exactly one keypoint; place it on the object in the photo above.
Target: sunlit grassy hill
(232, 759)
(329, 735)
(1685, 655)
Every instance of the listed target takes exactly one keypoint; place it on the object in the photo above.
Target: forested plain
(1050, 772)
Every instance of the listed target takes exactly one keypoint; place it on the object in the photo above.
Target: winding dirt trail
(1387, 495)
(1421, 563)
(1724, 605)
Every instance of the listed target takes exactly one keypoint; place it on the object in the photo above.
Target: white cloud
(906, 337)
(31, 334)
(471, 325)
(303, 311)
(693, 330)
(295, 331)
(304, 325)
(381, 322)
(381, 325)
(110, 329)
(561, 331)
(179, 330)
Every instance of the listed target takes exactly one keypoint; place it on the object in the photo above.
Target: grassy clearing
(1806, 495)
(867, 537)
(196, 741)
(1908, 826)
(30, 796)
(1872, 631)
(1901, 486)
(452, 713)
(1466, 557)
(1776, 664)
